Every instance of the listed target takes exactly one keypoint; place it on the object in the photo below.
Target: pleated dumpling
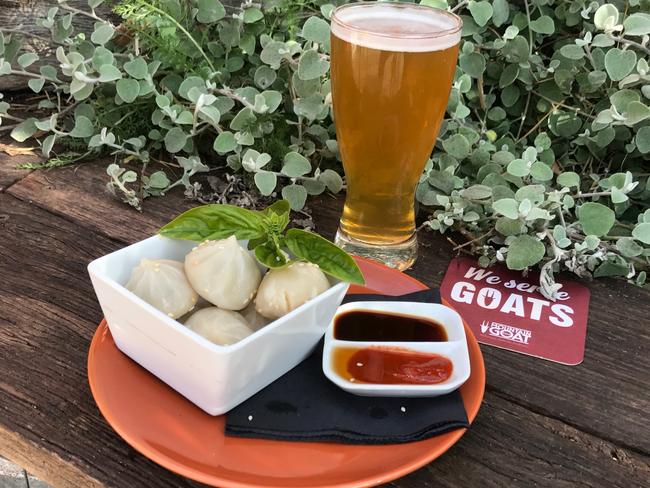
(223, 327)
(223, 273)
(284, 289)
(162, 283)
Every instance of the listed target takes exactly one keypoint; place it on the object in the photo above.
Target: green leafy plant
(541, 161)
(264, 231)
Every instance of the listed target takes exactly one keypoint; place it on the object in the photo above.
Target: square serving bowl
(215, 378)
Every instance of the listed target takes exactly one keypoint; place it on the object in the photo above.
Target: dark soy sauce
(372, 325)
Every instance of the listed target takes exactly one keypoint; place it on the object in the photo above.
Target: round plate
(174, 433)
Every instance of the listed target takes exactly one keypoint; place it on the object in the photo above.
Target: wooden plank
(605, 396)
(49, 413)
(9, 171)
(78, 193)
(510, 446)
(48, 315)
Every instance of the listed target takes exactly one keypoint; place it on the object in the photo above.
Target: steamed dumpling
(162, 283)
(285, 289)
(254, 319)
(223, 273)
(223, 327)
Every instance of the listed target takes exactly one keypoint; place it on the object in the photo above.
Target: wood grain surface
(541, 424)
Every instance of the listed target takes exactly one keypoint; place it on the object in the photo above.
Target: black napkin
(303, 405)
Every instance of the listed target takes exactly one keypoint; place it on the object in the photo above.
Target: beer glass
(392, 66)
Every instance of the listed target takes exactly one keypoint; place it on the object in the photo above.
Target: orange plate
(171, 431)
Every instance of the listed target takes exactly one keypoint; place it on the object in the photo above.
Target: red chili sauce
(389, 365)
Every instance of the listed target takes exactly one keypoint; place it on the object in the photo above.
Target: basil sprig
(264, 231)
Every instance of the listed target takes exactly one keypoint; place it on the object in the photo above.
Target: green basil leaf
(215, 222)
(331, 259)
(280, 207)
(253, 243)
(276, 217)
(270, 255)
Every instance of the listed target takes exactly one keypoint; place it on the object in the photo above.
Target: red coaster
(506, 310)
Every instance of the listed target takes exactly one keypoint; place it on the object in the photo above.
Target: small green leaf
(102, 34)
(210, 11)
(330, 258)
(636, 112)
(295, 165)
(609, 268)
(508, 207)
(525, 251)
(571, 51)
(264, 76)
(543, 25)
(27, 59)
(642, 232)
(509, 227)
(252, 15)
(569, 179)
(619, 63)
(47, 145)
(225, 142)
(518, 167)
(128, 89)
(243, 119)
(477, 192)
(501, 12)
(108, 73)
(36, 84)
(606, 16)
(637, 24)
(481, 11)
(296, 195)
(618, 196)
(596, 218)
(473, 64)
(83, 127)
(270, 256)
(311, 65)
(332, 180)
(137, 68)
(316, 30)
(215, 222)
(541, 171)
(628, 247)
(175, 140)
(457, 146)
(643, 140)
(24, 130)
(265, 182)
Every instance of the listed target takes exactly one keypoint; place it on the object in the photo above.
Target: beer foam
(396, 27)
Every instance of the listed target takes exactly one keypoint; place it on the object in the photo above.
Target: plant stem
(33, 75)
(183, 30)
(476, 239)
(227, 92)
(459, 6)
(92, 15)
(530, 32)
(629, 42)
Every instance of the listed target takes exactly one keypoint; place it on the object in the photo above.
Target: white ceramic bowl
(215, 378)
(455, 348)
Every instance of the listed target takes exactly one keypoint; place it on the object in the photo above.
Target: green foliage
(265, 232)
(545, 142)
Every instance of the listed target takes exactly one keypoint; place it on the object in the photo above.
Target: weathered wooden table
(541, 424)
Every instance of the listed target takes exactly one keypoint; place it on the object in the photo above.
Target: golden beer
(392, 69)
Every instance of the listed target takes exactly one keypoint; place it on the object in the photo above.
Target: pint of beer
(392, 66)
